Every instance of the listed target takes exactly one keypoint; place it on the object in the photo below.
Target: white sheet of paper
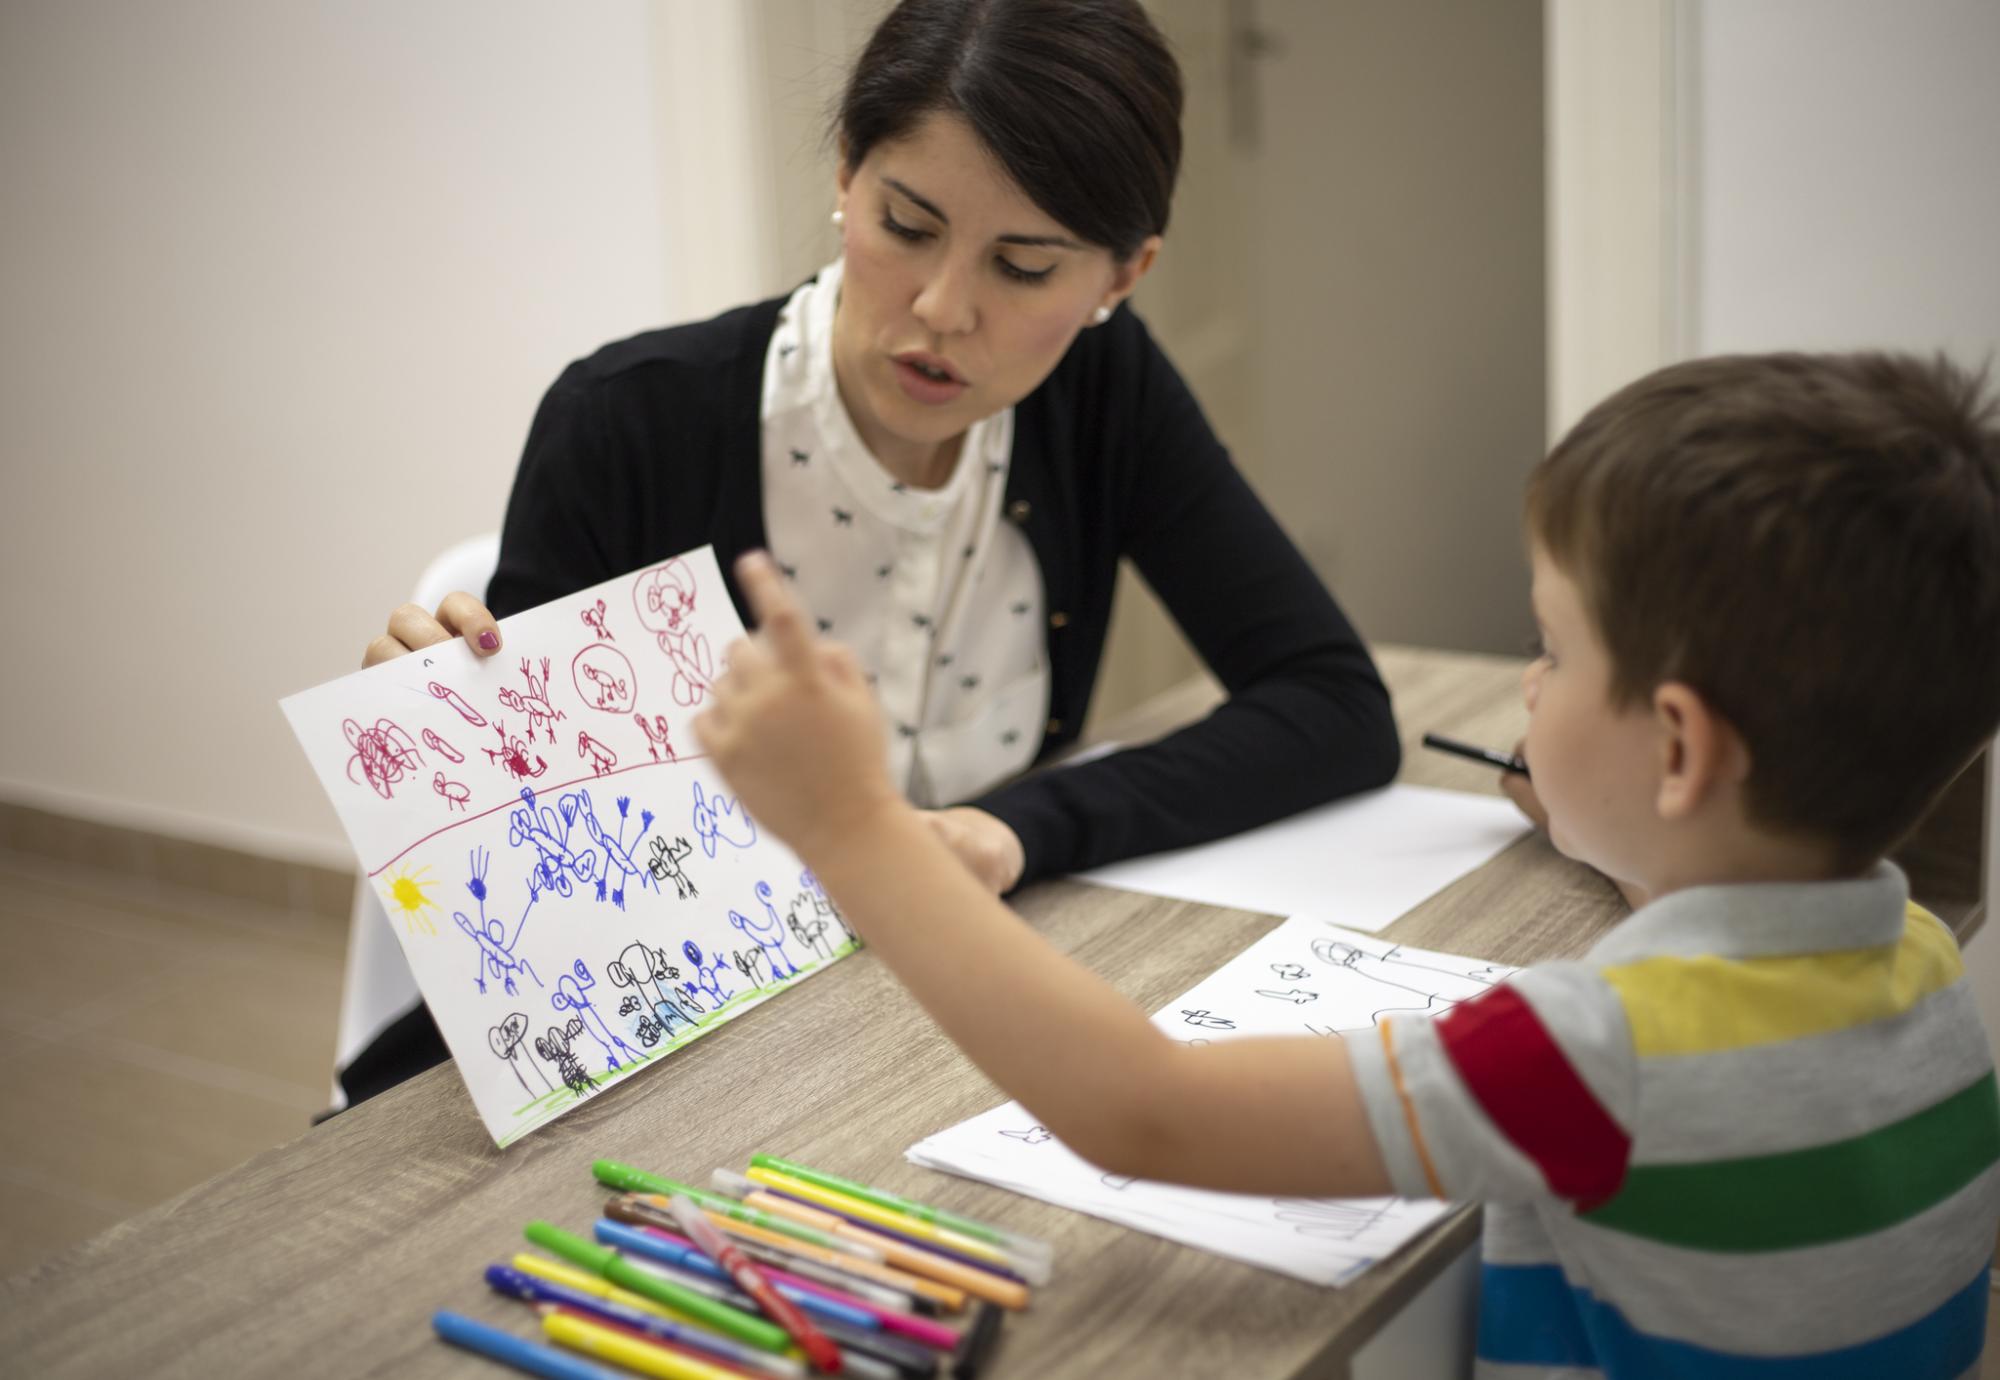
(575, 893)
(1306, 977)
(1359, 862)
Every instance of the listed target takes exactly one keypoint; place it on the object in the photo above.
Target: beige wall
(1398, 229)
(283, 285)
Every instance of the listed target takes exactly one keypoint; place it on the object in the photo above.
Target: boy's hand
(1519, 789)
(792, 726)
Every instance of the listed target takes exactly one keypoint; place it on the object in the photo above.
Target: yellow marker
(557, 1272)
(623, 1350)
(980, 1284)
(943, 1295)
(900, 1223)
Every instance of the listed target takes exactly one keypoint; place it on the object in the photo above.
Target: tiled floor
(159, 1035)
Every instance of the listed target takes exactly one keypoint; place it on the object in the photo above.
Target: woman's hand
(985, 845)
(460, 615)
(793, 727)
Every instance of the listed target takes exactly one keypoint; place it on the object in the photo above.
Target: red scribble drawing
(594, 620)
(602, 758)
(455, 793)
(383, 753)
(535, 704)
(604, 678)
(440, 746)
(513, 755)
(665, 600)
(456, 701)
(656, 737)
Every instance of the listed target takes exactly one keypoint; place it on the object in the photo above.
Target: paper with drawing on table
(574, 890)
(1359, 862)
(1305, 977)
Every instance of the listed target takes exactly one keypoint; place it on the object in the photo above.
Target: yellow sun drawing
(407, 895)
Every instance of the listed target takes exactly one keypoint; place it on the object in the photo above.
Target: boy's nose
(1531, 683)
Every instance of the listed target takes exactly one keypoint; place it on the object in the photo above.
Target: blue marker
(505, 1279)
(638, 1241)
(536, 1358)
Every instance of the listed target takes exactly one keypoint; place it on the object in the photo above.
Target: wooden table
(327, 1256)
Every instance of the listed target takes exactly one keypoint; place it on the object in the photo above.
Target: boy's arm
(795, 732)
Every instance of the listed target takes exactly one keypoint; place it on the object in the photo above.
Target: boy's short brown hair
(1811, 542)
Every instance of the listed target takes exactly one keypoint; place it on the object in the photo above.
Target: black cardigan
(652, 446)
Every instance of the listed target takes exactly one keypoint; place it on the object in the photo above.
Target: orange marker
(1005, 1292)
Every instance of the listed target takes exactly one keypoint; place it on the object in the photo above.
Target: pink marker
(917, 1329)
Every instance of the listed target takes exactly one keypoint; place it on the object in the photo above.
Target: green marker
(626, 1179)
(745, 1327)
(922, 1212)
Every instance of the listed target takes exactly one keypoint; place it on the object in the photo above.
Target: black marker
(1506, 761)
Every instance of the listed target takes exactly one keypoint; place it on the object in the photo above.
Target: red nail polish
(489, 639)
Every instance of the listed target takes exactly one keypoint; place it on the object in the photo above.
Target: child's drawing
(381, 754)
(534, 702)
(578, 902)
(457, 702)
(455, 793)
(717, 821)
(436, 743)
(601, 758)
(604, 679)
(496, 946)
(513, 755)
(1333, 982)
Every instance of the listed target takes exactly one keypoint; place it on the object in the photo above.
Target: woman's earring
(839, 217)
(1100, 316)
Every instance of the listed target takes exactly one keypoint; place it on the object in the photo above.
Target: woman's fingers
(383, 648)
(461, 615)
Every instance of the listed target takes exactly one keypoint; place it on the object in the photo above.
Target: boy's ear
(1700, 751)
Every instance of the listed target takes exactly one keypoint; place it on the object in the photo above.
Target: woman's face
(959, 293)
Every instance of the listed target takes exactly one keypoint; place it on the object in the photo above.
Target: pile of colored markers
(766, 1274)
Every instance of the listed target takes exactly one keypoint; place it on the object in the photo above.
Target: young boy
(1755, 1132)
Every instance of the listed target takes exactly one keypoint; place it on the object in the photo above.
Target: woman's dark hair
(1079, 100)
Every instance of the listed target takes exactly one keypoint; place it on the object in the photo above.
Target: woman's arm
(1308, 719)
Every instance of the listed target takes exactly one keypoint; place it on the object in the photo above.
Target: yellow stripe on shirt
(1707, 1004)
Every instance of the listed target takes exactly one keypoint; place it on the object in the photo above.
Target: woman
(948, 439)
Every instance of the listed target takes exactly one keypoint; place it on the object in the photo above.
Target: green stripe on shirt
(1809, 1197)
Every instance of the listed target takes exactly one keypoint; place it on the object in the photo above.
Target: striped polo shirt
(1753, 1135)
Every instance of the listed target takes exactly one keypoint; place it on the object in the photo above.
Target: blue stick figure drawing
(769, 933)
(707, 977)
(717, 820)
(549, 833)
(618, 858)
(496, 946)
(570, 996)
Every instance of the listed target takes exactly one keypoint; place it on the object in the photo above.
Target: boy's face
(1594, 767)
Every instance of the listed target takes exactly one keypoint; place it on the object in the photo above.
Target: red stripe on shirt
(1518, 1073)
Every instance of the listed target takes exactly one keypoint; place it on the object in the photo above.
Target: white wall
(1847, 195)
(1849, 191)
(282, 286)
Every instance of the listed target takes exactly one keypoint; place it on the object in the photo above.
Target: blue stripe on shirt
(1530, 1315)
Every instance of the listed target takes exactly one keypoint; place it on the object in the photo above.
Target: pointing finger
(778, 615)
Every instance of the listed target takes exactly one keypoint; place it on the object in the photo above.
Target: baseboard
(151, 855)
